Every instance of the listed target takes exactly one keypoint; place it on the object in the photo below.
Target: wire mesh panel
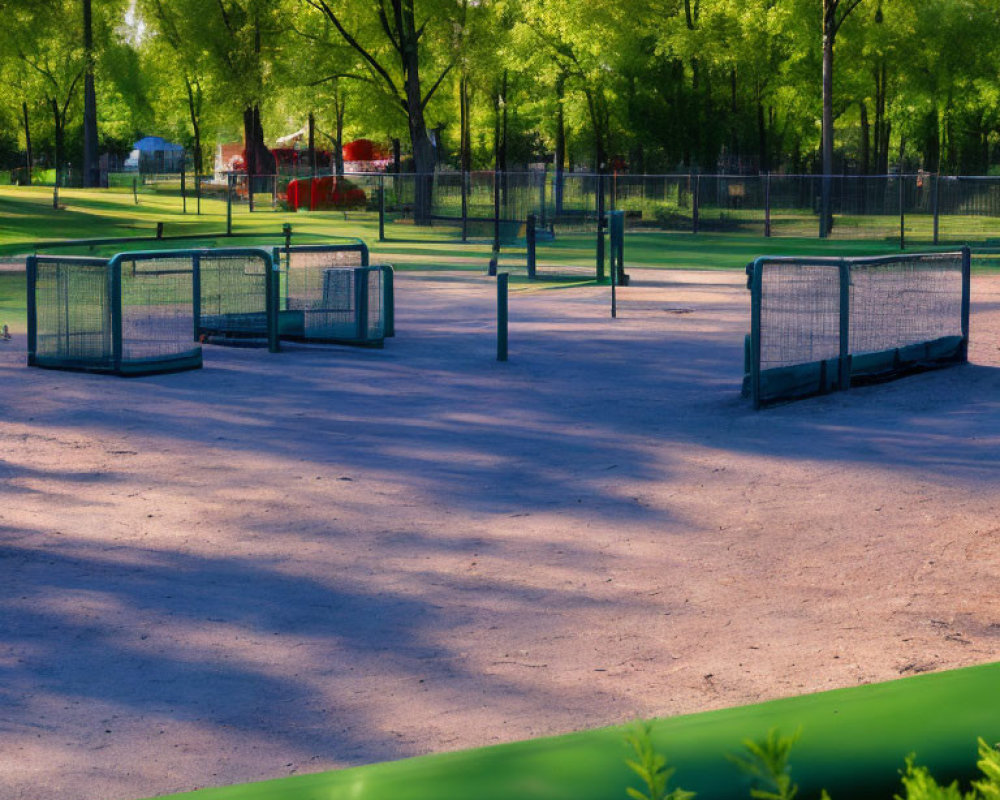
(155, 312)
(330, 293)
(799, 314)
(237, 293)
(132, 315)
(894, 305)
(822, 324)
(69, 304)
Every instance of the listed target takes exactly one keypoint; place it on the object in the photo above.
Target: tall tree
(394, 47)
(834, 14)
(91, 168)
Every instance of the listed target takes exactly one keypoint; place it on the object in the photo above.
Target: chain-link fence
(485, 205)
(908, 208)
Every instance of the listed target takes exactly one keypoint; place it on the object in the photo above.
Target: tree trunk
(259, 160)
(27, 139)
(881, 138)
(57, 159)
(829, 32)
(866, 163)
(420, 141)
(464, 148)
(503, 141)
(338, 143)
(194, 111)
(312, 145)
(560, 156)
(765, 162)
(91, 166)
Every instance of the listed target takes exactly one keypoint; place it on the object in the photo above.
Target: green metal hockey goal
(131, 315)
(825, 324)
(331, 293)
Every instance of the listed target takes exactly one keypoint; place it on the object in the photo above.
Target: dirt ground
(327, 557)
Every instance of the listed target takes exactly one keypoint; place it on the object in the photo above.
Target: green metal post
(196, 294)
(502, 281)
(756, 283)
(844, 372)
(614, 284)
(600, 223)
(767, 204)
(115, 277)
(229, 205)
(388, 300)
(381, 208)
(495, 257)
(361, 301)
(272, 285)
(934, 202)
(902, 225)
(966, 295)
(184, 197)
(695, 199)
(529, 236)
(32, 279)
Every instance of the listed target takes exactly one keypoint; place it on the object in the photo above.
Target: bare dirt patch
(327, 557)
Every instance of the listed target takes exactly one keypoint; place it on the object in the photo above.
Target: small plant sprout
(919, 784)
(765, 762)
(650, 766)
(989, 765)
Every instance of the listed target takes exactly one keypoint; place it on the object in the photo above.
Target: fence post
(902, 221)
(694, 203)
(135, 190)
(274, 190)
(465, 204)
(600, 223)
(844, 361)
(545, 175)
(495, 257)
(184, 197)
(502, 280)
(966, 274)
(229, 204)
(934, 203)
(767, 204)
(197, 190)
(381, 208)
(196, 294)
(614, 284)
(529, 237)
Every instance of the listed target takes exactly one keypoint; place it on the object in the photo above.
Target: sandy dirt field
(327, 557)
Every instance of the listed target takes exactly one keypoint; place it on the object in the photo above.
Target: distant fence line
(916, 207)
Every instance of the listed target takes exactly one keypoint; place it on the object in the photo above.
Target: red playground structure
(316, 194)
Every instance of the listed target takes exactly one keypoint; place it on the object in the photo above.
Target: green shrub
(765, 762)
(651, 767)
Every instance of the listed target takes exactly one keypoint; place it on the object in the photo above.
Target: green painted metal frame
(281, 259)
(32, 302)
(118, 365)
(844, 360)
(271, 284)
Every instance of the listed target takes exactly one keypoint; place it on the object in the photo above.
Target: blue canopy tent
(155, 154)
